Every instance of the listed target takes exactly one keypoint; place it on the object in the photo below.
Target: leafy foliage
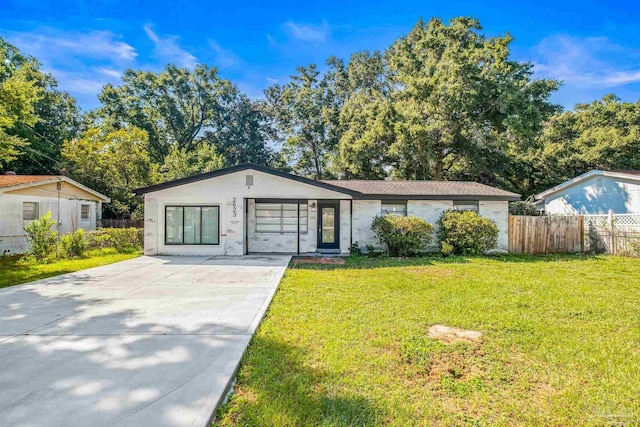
(74, 244)
(121, 239)
(403, 235)
(42, 238)
(466, 233)
(526, 207)
(111, 162)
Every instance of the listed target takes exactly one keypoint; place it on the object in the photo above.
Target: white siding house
(253, 209)
(24, 198)
(595, 192)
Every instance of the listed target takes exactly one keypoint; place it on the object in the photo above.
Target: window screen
(465, 205)
(280, 218)
(85, 211)
(192, 225)
(30, 211)
(394, 207)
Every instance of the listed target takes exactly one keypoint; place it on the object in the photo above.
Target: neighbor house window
(280, 218)
(192, 225)
(30, 210)
(465, 205)
(85, 212)
(394, 207)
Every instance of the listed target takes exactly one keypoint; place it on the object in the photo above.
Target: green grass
(348, 346)
(14, 271)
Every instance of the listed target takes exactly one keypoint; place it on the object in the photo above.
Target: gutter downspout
(350, 224)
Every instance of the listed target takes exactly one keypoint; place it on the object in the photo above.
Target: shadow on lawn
(363, 262)
(289, 389)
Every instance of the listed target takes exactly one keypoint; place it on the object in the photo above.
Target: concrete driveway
(153, 341)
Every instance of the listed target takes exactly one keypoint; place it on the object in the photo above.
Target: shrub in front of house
(466, 233)
(121, 239)
(74, 244)
(403, 235)
(43, 240)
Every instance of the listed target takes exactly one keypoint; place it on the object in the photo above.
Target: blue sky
(593, 46)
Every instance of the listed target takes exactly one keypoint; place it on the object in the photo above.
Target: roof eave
(461, 197)
(584, 176)
(240, 168)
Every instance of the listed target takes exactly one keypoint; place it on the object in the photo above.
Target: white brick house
(253, 209)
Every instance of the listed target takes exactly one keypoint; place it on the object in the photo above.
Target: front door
(328, 225)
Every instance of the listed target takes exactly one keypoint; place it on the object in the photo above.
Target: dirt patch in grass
(450, 335)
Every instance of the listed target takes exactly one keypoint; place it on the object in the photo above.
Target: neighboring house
(253, 209)
(595, 192)
(24, 198)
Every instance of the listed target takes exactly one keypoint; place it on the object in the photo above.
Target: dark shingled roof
(424, 188)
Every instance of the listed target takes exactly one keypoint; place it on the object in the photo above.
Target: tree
(181, 108)
(367, 118)
(459, 98)
(113, 163)
(305, 113)
(180, 163)
(19, 92)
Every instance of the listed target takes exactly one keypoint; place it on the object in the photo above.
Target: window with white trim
(466, 205)
(85, 212)
(192, 225)
(280, 218)
(30, 211)
(394, 207)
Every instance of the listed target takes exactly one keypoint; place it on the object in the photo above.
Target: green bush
(403, 235)
(74, 244)
(121, 239)
(42, 239)
(526, 207)
(467, 233)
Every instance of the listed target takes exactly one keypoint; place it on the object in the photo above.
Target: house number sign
(235, 207)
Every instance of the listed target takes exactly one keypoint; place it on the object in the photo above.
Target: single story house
(254, 209)
(24, 198)
(595, 192)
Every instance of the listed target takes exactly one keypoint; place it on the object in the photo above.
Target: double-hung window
(30, 210)
(85, 212)
(280, 218)
(394, 207)
(192, 225)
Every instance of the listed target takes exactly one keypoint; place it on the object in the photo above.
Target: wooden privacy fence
(613, 234)
(546, 234)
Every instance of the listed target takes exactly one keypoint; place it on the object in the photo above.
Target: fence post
(612, 241)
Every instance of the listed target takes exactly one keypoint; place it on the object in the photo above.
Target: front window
(85, 212)
(465, 205)
(280, 218)
(394, 207)
(192, 225)
(30, 211)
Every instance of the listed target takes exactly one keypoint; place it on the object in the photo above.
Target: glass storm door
(328, 225)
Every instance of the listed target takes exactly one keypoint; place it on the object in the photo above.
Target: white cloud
(311, 33)
(48, 43)
(81, 62)
(109, 72)
(272, 80)
(593, 62)
(168, 49)
(224, 57)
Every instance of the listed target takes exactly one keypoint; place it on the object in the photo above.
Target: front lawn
(347, 345)
(14, 271)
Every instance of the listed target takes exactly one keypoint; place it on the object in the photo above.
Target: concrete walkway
(153, 341)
